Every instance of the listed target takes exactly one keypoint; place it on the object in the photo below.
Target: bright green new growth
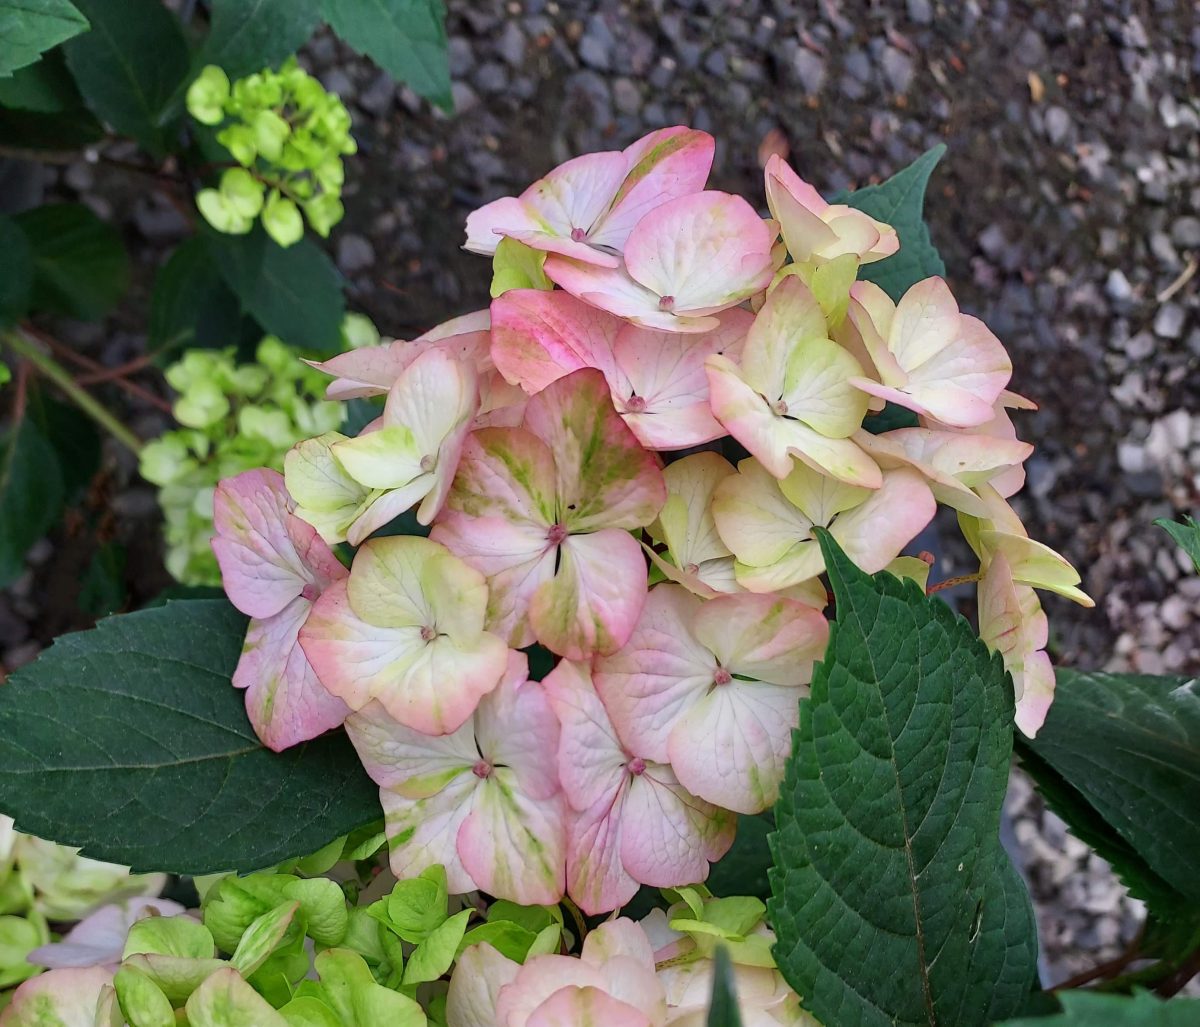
(233, 417)
(289, 136)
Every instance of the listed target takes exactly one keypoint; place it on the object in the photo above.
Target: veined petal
(762, 637)
(790, 316)
(874, 533)
(817, 388)
(732, 746)
(925, 323)
(573, 1006)
(486, 225)
(754, 518)
(604, 478)
(596, 876)
(591, 756)
(797, 206)
(658, 674)
(381, 508)
(64, 998)
(536, 982)
(506, 473)
(435, 395)
(1035, 692)
(516, 728)
(668, 835)
(576, 193)
(1036, 564)
(406, 581)
(326, 496)
(516, 559)
(594, 599)
(405, 761)
(685, 522)
(423, 832)
(479, 974)
(285, 700)
(385, 459)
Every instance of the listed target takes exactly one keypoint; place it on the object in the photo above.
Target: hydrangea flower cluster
(232, 417)
(289, 136)
(622, 463)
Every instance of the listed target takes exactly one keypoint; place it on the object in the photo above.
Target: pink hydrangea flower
(586, 208)
(475, 984)
(816, 231)
(929, 357)
(59, 998)
(684, 261)
(611, 983)
(768, 524)
(632, 821)
(483, 801)
(792, 395)
(99, 938)
(273, 567)
(412, 455)
(544, 512)
(406, 629)
(656, 378)
(713, 689)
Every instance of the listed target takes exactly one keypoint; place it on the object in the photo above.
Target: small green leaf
(79, 264)
(517, 266)
(169, 936)
(1129, 746)
(723, 1009)
(129, 66)
(407, 38)
(1095, 1009)
(225, 1000)
(1186, 536)
(900, 202)
(433, 956)
(887, 852)
(28, 28)
(509, 939)
(294, 293)
(130, 742)
(142, 1001)
(16, 272)
(31, 495)
(323, 906)
(417, 905)
(264, 935)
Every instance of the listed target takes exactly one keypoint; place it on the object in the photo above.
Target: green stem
(52, 369)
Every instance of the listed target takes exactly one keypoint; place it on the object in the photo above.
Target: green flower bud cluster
(41, 881)
(233, 417)
(289, 136)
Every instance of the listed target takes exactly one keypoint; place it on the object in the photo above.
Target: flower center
(557, 534)
(482, 769)
(721, 676)
(779, 408)
(427, 462)
(310, 592)
(635, 404)
(692, 568)
(578, 235)
(636, 766)
(428, 634)
(666, 303)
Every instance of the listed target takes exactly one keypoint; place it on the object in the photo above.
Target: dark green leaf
(28, 28)
(130, 742)
(900, 202)
(295, 293)
(723, 1009)
(249, 35)
(75, 439)
(31, 495)
(173, 593)
(46, 87)
(407, 38)
(102, 589)
(1129, 744)
(1095, 1009)
(35, 133)
(79, 265)
(129, 65)
(16, 272)
(892, 416)
(887, 852)
(1186, 536)
(192, 305)
(743, 869)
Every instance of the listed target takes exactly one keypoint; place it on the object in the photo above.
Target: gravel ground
(1066, 210)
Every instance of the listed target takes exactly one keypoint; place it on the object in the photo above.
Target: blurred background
(1067, 209)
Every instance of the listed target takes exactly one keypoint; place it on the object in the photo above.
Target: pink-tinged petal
(573, 197)
(663, 165)
(514, 845)
(387, 458)
(99, 939)
(538, 336)
(774, 439)
(564, 246)
(486, 225)
(797, 206)
(668, 835)
(266, 555)
(596, 876)
(479, 974)
(434, 398)
(871, 312)
(506, 473)
(925, 323)
(613, 290)
(407, 762)
(975, 364)
(285, 700)
(732, 746)
(754, 518)
(649, 683)
(424, 832)
(464, 328)
(692, 582)
(763, 637)
(620, 937)
(703, 252)
(591, 757)
(604, 478)
(60, 998)
(790, 315)
(386, 507)
(685, 522)
(594, 599)
(1035, 564)
(538, 980)
(516, 560)
(1035, 693)
(369, 371)
(874, 533)
(585, 1007)
(516, 727)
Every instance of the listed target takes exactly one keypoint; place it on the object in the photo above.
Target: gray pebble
(626, 96)
(1058, 125)
(1186, 231)
(920, 11)
(596, 45)
(1117, 286)
(810, 70)
(354, 253)
(898, 69)
(1168, 322)
(378, 96)
(337, 81)
(511, 45)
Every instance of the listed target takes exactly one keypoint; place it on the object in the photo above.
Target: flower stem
(577, 916)
(963, 579)
(52, 369)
